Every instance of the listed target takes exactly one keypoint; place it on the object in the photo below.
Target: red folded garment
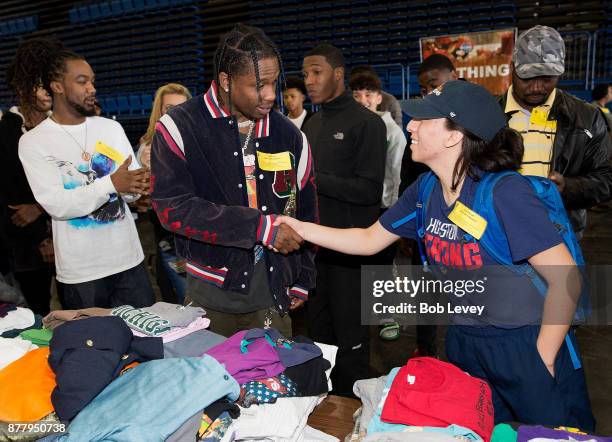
(429, 392)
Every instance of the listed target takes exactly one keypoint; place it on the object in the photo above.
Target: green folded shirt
(38, 336)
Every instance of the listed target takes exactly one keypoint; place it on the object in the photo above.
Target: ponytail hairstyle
(156, 110)
(504, 152)
(241, 48)
(28, 68)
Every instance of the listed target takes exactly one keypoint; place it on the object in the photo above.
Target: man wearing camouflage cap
(565, 138)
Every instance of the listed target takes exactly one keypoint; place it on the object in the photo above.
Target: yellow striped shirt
(538, 134)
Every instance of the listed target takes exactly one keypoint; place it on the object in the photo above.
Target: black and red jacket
(199, 193)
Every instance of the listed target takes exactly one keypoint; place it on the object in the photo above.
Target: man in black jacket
(565, 138)
(24, 223)
(349, 150)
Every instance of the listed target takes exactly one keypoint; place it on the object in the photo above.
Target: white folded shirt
(12, 349)
(17, 319)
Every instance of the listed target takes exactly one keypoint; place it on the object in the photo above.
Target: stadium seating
(135, 46)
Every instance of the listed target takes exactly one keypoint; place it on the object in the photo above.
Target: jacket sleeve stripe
(174, 147)
(173, 130)
(305, 164)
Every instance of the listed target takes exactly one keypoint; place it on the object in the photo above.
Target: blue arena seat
(128, 6)
(110, 105)
(73, 15)
(12, 26)
(105, 9)
(20, 25)
(139, 5)
(32, 23)
(123, 105)
(135, 104)
(147, 102)
(94, 12)
(83, 14)
(116, 7)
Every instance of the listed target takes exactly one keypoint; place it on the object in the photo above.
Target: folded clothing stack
(430, 392)
(162, 319)
(286, 419)
(412, 403)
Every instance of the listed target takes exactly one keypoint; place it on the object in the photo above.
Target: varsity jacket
(199, 193)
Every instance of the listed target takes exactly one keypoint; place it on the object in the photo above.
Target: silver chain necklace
(248, 137)
(84, 154)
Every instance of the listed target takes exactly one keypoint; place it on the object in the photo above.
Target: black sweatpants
(333, 316)
(130, 287)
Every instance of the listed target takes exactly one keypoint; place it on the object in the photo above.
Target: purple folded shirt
(526, 433)
(247, 363)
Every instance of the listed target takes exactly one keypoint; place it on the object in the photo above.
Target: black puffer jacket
(581, 153)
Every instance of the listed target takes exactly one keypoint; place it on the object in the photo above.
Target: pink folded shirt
(178, 332)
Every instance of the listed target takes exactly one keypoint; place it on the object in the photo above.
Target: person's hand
(46, 250)
(558, 179)
(296, 303)
(25, 214)
(548, 359)
(131, 181)
(142, 204)
(287, 240)
(296, 225)
(145, 156)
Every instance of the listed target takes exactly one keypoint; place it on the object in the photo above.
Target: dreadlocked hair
(56, 66)
(240, 48)
(26, 70)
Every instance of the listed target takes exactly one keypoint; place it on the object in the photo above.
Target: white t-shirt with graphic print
(94, 233)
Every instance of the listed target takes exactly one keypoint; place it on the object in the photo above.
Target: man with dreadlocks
(29, 246)
(78, 166)
(223, 165)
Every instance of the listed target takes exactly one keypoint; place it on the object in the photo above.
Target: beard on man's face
(83, 110)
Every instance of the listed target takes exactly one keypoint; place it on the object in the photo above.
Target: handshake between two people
(289, 236)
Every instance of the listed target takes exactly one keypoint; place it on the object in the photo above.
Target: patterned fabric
(214, 431)
(266, 391)
(539, 51)
(358, 432)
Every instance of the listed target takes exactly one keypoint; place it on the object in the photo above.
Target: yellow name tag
(274, 161)
(110, 152)
(468, 220)
(539, 117)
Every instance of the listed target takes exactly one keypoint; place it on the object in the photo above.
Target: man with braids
(349, 146)
(29, 247)
(82, 171)
(224, 164)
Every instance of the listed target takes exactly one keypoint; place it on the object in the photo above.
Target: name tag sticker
(468, 220)
(110, 152)
(539, 117)
(274, 162)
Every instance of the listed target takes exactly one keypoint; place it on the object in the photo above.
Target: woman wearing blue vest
(521, 342)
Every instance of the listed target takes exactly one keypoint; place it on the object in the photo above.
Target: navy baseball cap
(469, 105)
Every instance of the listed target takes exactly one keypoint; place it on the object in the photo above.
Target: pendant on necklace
(84, 167)
(86, 156)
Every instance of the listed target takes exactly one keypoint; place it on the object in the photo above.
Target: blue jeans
(130, 287)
